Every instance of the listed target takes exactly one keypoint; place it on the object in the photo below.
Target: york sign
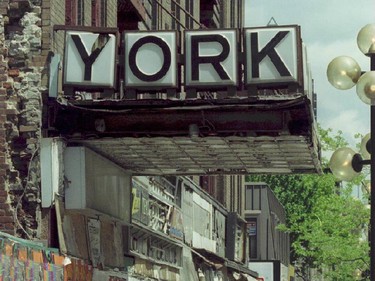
(212, 59)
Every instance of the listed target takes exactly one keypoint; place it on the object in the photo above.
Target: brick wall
(21, 67)
(6, 211)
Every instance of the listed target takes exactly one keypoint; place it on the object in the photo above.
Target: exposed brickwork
(27, 42)
(6, 211)
(57, 17)
(21, 64)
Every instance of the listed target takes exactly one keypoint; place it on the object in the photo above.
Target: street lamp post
(343, 73)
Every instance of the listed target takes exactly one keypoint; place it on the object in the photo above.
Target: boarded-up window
(201, 221)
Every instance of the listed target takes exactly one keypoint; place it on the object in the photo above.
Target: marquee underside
(210, 155)
(238, 136)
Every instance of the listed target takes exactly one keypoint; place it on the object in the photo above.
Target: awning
(155, 137)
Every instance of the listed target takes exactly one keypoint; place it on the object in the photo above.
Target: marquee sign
(211, 60)
(90, 59)
(271, 55)
(151, 59)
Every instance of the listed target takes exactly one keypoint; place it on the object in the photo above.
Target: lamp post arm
(358, 162)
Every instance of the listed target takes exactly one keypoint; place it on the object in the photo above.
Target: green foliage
(329, 142)
(324, 221)
(333, 231)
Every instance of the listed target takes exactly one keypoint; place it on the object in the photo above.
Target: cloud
(352, 124)
(321, 20)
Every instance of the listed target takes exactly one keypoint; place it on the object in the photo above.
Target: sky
(329, 29)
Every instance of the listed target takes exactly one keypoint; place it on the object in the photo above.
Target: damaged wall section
(20, 101)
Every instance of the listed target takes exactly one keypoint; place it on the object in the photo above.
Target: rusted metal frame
(104, 30)
(172, 122)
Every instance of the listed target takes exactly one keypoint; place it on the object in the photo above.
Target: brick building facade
(27, 43)
(21, 89)
(31, 37)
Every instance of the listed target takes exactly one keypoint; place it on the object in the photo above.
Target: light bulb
(343, 72)
(366, 39)
(366, 87)
(341, 164)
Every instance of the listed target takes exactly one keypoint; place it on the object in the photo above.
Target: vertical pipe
(372, 192)
(372, 197)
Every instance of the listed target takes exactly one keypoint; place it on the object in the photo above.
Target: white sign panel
(151, 59)
(211, 58)
(284, 272)
(90, 59)
(271, 55)
(264, 269)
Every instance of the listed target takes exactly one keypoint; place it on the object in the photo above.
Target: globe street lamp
(343, 73)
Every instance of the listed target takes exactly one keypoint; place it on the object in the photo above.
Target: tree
(326, 224)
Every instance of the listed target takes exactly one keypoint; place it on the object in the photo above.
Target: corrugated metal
(209, 155)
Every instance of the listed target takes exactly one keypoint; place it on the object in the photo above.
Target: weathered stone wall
(27, 41)
(6, 212)
(20, 100)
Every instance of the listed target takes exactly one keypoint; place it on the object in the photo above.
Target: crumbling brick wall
(6, 212)
(27, 42)
(20, 102)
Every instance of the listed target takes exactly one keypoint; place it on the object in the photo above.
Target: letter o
(166, 55)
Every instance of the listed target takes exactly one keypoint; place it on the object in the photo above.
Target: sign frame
(237, 64)
(174, 58)
(275, 82)
(239, 57)
(88, 29)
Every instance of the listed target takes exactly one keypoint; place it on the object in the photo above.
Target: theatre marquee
(208, 60)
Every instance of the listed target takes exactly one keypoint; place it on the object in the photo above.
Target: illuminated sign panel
(151, 59)
(211, 58)
(271, 55)
(87, 54)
